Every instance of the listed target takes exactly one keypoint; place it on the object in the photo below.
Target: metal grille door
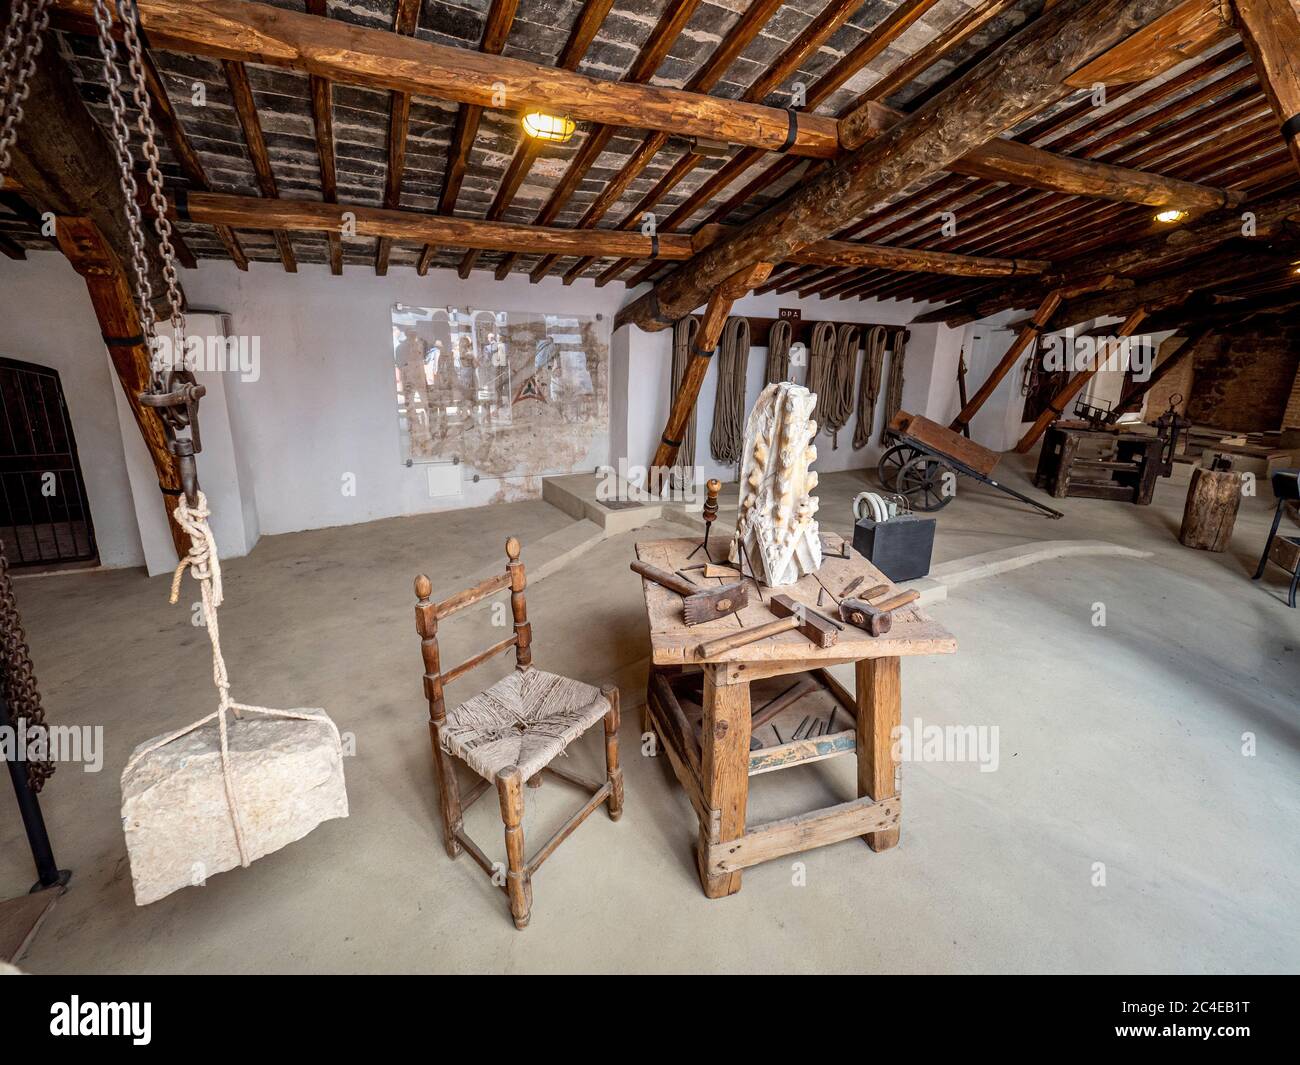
(44, 514)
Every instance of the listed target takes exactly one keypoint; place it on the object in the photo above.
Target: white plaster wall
(324, 405)
(46, 318)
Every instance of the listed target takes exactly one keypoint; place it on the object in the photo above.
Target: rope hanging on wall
(820, 352)
(873, 362)
(894, 393)
(778, 352)
(728, 436)
(683, 341)
(830, 374)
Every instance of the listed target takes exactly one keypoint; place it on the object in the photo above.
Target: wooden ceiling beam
(1270, 29)
(251, 212)
(246, 109)
(1012, 83)
(1174, 38)
(241, 31)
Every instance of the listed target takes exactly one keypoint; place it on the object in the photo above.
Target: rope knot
(202, 558)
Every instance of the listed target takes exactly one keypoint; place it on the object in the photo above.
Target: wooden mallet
(793, 617)
(698, 604)
(875, 619)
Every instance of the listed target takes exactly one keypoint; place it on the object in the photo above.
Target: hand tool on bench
(875, 619)
(794, 617)
(698, 604)
(711, 489)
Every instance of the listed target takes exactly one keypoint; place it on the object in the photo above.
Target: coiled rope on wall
(683, 341)
(778, 352)
(728, 436)
(873, 364)
(831, 366)
(894, 393)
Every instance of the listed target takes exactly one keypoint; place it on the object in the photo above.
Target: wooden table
(707, 734)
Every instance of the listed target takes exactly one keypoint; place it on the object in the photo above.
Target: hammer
(793, 617)
(698, 604)
(875, 618)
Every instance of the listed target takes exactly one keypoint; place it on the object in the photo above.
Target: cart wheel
(924, 482)
(892, 462)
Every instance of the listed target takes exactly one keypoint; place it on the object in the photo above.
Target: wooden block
(1213, 498)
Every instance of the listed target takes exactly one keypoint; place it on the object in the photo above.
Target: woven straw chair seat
(525, 719)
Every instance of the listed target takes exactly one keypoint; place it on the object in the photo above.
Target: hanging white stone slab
(287, 775)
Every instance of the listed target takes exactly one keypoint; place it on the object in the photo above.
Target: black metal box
(900, 547)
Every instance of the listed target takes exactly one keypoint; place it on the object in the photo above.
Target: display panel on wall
(504, 394)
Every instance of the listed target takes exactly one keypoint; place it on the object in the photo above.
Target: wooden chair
(510, 733)
(1286, 487)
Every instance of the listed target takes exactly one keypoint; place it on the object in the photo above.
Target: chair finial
(512, 549)
(423, 587)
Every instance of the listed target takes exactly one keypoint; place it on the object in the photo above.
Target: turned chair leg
(444, 767)
(612, 769)
(519, 887)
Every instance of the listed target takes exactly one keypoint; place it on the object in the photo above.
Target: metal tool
(875, 619)
(711, 489)
(793, 617)
(698, 604)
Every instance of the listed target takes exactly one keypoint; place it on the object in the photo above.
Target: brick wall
(1245, 379)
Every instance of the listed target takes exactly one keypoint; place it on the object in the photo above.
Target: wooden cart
(924, 462)
(702, 711)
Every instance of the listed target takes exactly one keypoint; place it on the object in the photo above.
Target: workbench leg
(724, 764)
(880, 712)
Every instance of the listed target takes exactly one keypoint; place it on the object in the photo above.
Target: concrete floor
(1119, 745)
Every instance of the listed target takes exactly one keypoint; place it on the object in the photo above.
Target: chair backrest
(428, 614)
(1286, 484)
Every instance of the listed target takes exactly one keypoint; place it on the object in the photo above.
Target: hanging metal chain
(23, 40)
(18, 677)
(173, 390)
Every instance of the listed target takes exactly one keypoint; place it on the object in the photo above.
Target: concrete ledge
(934, 588)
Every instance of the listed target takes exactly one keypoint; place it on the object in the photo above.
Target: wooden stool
(510, 733)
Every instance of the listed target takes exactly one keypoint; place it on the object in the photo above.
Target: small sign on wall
(790, 314)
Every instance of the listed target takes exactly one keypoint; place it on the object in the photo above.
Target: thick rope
(205, 567)
(778, 352)
(728, 436)
(873, 363)
(820, 352)
(684, 333)
(830, 375)
(894, 394)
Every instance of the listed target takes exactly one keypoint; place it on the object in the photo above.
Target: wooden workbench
(701, 711)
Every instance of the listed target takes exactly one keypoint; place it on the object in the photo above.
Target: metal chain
(173, 391)
(19, 679)
(23, 40)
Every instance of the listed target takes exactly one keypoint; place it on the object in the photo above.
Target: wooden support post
(879, 701)
(714, 318)
(1075, 385)
(613, 771)
(519, 885)
(119, 323)
(1270, 30)
(1027, 335)
(444, 766)
(724, 766)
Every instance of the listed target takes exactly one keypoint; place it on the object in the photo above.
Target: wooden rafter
(405, 18)
(584, 32)
(245, 107)
(1002, 90)
(1185, 32)
(322, 115)
(671, 22)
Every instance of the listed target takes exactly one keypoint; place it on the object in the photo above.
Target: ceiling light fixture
(544, 127)
(1170, 216)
